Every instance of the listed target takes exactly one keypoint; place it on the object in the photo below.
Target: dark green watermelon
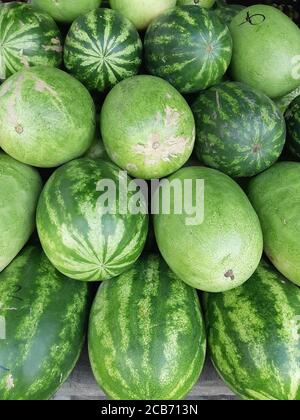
(27, 38)
(146, 334)
(253, 335)
(292, 117)
(102, 48)
(240, 131)
(226, 12)
(42, 327)
(188, 46)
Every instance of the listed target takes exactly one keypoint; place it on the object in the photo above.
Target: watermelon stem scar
(230, 274)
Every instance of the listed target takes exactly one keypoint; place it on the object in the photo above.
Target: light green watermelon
(66, 10)
(213, 242)
(146, 334)
(27, 38)
(266, 50)
(20, 186)
(253, 335)
(275, 195)
(46, 117)
(141, 13)
(43, 318)
(153, 132)
(83, 237)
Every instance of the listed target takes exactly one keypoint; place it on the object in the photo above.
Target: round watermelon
(86, 233)
(207, 4)
(210, 235)
(46, 117)
(153, 132)
(66, 10)
(102, 48)
(293, 126)
(20, 186)
(253, 335)
(226, 12)
(275, 195)
(189, 47)
(27, 38)
(240, 131)
(146, 334)
(42, 327)
(141, 13)
(265, 57)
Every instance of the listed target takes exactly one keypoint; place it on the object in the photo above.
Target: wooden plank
(81, 385)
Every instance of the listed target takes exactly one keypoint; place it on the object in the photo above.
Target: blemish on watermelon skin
(229, 274)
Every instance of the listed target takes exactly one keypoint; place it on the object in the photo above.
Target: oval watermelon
(240, 131)
(27, 38)
(66, 10)
(46, 117)
(20, 186)
(153, 132)
(263, 56)
(141, 13)
(146, 334)
(275, 195)
(213, 241)
(189, 47)
(253, 336)
(81, 234)
(102, 48)
(292, 117)
(43, 317)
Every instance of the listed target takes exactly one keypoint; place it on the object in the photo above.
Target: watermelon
(46, 117)
(102, 48)
(293, 126)
(263, 56)
(275, 195)
(44, 317)
(141, 13)
(240, 131)
(146, 334)
(253, 336)
(189, 47)
(27, 38)
(226, 12)
(83, 238)
(213, 242)
(66, 10)
(207, 4)
(97, 150)
(153, 132)
(20, 186)
(285, 100)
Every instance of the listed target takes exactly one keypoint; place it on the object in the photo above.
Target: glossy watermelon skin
(102, 48)
(274, 195)
(81, 239)
(189, 47)
(20, 187)
(253, 336)
(27, 38)
(146, 334)
(292, 117)
(45, 318)
(240, 131)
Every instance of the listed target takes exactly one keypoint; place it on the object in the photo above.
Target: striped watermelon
(102, 48)
(253, 335)
(20, 186)
(146, 334)
(27, 38)
(226, 12)
(79, 235)
(66, 10)
(217, 247)
(275, 196)
(153, 132)
(43, 317)
(284, 102)
(188, 46)
(207, 4)
(240, 131)
(46, 117)
(293, 126)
